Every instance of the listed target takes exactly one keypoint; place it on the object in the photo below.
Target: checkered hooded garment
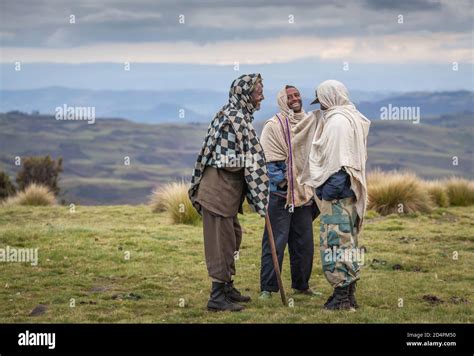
(232, 141)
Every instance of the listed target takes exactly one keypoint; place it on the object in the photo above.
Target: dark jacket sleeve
(337, 186)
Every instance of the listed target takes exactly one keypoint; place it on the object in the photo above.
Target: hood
(240, 89)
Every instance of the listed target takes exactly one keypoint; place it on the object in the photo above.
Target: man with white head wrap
(336, 169)
(291, 208)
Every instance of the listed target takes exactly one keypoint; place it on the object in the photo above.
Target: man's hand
(282, 183)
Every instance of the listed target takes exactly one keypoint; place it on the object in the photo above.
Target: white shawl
(274, 140)
(341, 143)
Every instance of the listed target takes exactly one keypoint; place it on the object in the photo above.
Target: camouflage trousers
(338, 241)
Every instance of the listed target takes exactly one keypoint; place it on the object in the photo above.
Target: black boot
(339, 300)
(218, 300)
(234, 295)
(352, 298)
(329, 299)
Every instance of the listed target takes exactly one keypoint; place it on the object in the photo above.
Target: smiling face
(294, 99)
(256, 96)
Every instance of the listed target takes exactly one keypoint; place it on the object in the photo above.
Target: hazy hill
(94, 155)
(149, 106)
(436, 103)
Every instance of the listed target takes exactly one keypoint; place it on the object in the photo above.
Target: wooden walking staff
(275, 258)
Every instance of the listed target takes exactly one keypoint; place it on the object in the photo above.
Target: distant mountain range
(95, 169)
(430, 104)
(187, 106)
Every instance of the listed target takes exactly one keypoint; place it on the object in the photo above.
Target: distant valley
(95, 169)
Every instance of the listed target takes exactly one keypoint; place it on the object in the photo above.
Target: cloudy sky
(376, 37)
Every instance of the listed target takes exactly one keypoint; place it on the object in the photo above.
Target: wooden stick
(268, 226)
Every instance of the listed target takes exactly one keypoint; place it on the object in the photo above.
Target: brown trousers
(222, 238)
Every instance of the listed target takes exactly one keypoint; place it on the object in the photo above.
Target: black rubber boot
(218, 300)
(329, 299)
(339, 300)
(234, 295)
(352, 298)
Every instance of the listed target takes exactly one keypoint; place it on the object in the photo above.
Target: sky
(403, 45)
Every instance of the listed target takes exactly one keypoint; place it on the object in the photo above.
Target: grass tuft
(33, 195)
(460, 191)
(438, 193)
(173, 199)
(397, 192)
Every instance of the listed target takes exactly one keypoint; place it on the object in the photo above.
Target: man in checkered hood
(230, 167)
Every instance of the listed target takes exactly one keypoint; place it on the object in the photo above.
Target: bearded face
(256, 96)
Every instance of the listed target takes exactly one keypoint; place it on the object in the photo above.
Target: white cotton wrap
(341, 142)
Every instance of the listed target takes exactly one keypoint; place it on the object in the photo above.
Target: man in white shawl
(291, 207)
(336, 169)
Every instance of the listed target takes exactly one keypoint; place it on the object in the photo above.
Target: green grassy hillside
(83, 260)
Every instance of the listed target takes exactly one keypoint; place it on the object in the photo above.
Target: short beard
(301, 108)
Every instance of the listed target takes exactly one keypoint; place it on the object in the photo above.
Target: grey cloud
(44, 23)
(408, 5)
